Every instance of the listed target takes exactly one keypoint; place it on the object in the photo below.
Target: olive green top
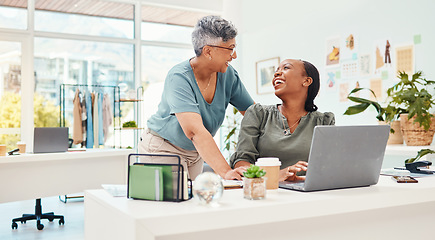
(262, 135)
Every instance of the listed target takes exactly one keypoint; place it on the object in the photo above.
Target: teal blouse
(181, 94)
(262, 135)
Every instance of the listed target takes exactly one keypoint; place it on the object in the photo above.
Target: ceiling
(113, 10)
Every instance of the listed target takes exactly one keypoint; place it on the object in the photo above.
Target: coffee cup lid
(268, 161)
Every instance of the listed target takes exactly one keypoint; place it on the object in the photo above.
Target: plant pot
(396, 137)
(254, 188)
(414, 134)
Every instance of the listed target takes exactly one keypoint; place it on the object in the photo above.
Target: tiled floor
(73, 212)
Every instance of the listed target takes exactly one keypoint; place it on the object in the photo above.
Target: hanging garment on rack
(100, 119)
(89, 125)
(84, 118)
(95, 117)
(107, 115)
(77, 119)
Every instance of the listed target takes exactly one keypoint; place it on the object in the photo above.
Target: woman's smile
(277, 81)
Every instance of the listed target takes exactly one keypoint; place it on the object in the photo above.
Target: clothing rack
(116, 109)
(116, 105)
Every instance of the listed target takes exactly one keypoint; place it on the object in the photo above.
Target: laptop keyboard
(293, 185)
(298, 184)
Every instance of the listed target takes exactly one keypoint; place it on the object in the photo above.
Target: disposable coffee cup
(21, 147)
(271, 165)
(2, 150)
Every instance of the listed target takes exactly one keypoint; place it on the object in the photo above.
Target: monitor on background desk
(50, 139)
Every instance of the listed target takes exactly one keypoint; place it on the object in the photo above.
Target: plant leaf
(231, 133)
(235, 111)
(254, 172)
(360, 100)
(420, 154)
(356, 109)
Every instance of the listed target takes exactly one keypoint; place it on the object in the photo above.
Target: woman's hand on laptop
(289, 173)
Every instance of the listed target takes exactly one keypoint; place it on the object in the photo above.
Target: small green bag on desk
(148, 182)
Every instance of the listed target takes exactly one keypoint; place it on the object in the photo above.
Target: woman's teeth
(279, 82)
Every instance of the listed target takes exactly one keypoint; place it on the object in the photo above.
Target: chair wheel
(14, 225)
(39, 226)
(61, 221)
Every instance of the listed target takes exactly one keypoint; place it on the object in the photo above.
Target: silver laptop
(343, 157)
(50, 140)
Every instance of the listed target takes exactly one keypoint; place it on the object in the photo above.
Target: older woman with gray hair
(194, 101)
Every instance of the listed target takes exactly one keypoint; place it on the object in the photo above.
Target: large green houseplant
(409, 100)
(408, 96)
(413, 101)
(411, 96)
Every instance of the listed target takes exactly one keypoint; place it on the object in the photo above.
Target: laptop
(50, 140)
(343, 157)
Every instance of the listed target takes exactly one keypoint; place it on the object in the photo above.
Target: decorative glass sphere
(208, 188)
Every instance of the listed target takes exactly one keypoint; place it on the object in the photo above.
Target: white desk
(387, 210)
(31, 176)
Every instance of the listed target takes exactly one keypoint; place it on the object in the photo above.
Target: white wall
(299, 29)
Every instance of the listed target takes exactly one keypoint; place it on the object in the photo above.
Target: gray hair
(210, 30)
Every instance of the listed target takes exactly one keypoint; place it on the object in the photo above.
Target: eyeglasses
(233, 50)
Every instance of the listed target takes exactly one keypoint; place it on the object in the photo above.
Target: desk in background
(31, 176)
(396, 154)
(388, 210)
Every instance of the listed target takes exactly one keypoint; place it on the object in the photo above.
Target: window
(85, 42)
(166, 33)
(59, 61)
(14, 17)
(156, 62)
(10, 93)
(92, 17)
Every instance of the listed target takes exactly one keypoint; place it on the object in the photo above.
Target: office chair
(38, 216)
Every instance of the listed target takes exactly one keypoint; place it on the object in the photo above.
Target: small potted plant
(129, 124)
(254, 183)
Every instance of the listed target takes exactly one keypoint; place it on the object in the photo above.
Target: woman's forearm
(193, 128)
(210, 153)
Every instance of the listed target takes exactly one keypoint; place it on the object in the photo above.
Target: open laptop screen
(344, 156)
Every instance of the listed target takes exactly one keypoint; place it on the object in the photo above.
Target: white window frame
(27, 83)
